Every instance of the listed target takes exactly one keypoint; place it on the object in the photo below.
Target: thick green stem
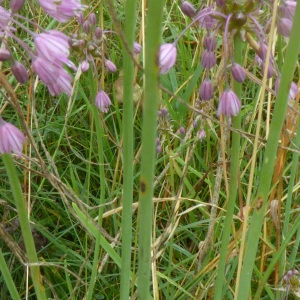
(25, 226)
(130, 24)
(261, 199)
(234, 173)
(152, 38)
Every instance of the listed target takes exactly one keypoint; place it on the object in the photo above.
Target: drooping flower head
(229, 104)
(167, 57)
(61, 10)
(102, 101)
(11, 138)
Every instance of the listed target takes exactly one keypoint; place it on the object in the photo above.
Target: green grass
(76, 188)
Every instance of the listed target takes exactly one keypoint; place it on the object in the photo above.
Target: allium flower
(229, 104)
(4, 17)
(210, 42)
(11, 138)
(188, 9)
(284, 26)
(205, 19)
(238, 72)
(61, 10)
(208, 59)
(19, 72)
(84, 66)
(110, 66)
(53, 46)
(287, 10)
(102, 101)
(4, 54)
(206, 90)
(56, 78)
(167, 57)
(293, 88)
(137, 48)
(16, 5)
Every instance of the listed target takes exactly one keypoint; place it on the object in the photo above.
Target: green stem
(25, 226)
(261, 199)
(8, 279)
(234, 168)
(130, 24)
(152, 38)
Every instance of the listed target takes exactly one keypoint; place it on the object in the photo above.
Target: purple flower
(61, 10)
(201, 134)
(167, 57)
(188, 9)
(19, 72)
(4, 54)
(206, 90)
(205, 18)
(16, 5)
(53, 46)
(55, 77)
(210, 42)
(102, 101)
(137, 48)
(110, 66)
(4, 17)
(11, 138)
(238, 72)
(287, 10)
(208, 59)
(284, 26)
(229, 104)
(293, 89)
(84, 66)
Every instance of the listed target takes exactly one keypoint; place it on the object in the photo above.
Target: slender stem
(25, 226)
(152, 39)
(234, 168)
(291, 59)
(130, 24)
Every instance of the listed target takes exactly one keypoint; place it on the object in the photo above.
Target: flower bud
(229, 104)
(110, 66)
(98, 33)
(80, 17)
(4, 54)
(16, 5)
(188, 9)
(238, 72)
(92, 19)
(137, 48)
(86, 26)
(210, 42)
(19, 72)
(208, 59)
(102, 101)
(85, 66)
(206, 90)
(167, 57)
(284, 26)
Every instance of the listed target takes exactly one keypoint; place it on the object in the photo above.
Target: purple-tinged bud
(262, 52)
(86, 26)
(201, 134)
(92, 19)
(284, 26)
(293, 89)
(16, 5)
(98, 33)
(102, 101)
(208, 59)
(229, 104)
(159, 149)
(110, 66)
(206, 90)
(19, 72)
(137, 48)
(188, 9)
(157, 141)
(4, 17)
(270, 70)
(163, 112)
(181, 130)
(80, 17)
(287, 10)
(11, 138)
(167, 57)
(238, 72)
(4, 54)
(84, 66)
(220, 3)
(210, 42)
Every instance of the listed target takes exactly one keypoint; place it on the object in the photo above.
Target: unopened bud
(16, 5)
(110, 66)
(137, 48)
(98, 33)
(238, 72)
(19, 72)
(188, 9)
(92, 19)
(4, 54)
(86, 26)
(84, 66)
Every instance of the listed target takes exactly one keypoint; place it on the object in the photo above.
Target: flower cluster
(230, 18)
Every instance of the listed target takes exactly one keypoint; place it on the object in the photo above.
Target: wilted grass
(72, 180)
